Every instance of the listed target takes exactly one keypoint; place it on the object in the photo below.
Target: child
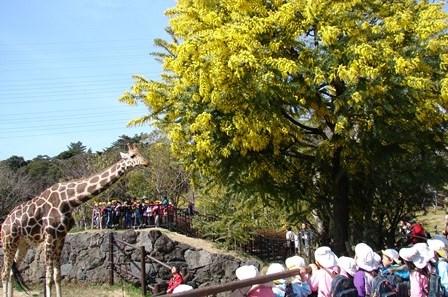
(299, 283)
(175, 280)
(324, 271)
(368, 262)
(391, 265)
(279, 284)
(347, 266)
(441, 265)
(261, 290)
(417, 258)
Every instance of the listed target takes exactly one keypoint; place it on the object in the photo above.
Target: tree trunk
(340, 219)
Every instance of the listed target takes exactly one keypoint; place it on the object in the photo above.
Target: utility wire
(64, 118)
(46, 112)
(76, 133)
(120, 121)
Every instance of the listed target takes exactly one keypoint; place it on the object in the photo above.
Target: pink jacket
(419, 284)
(320, 281)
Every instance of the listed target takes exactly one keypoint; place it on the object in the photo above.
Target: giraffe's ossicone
(47, 218)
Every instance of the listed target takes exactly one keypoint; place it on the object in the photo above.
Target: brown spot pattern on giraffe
(81, 187)
(94, 179)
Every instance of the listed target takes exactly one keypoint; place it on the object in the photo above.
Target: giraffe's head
(133, 157)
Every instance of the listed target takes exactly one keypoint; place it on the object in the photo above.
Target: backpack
(435, 285)
(385, 286)
(289, 291)
(342, 286)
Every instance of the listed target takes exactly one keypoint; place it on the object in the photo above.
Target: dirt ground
(78, 290)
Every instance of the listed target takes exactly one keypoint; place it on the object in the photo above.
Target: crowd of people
(132, 214)
(418, 270)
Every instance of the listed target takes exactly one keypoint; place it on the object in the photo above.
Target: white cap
(325, 257)
(294, 262)
(246, 271)
(182, 288)
(419, 255)
(438, 246)
(392, 254)
(276, 268)
(347, 264)
(366, 258)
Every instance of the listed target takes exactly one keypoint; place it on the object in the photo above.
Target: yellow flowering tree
(296, 99)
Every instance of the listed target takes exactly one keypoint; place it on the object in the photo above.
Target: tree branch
(311, 130)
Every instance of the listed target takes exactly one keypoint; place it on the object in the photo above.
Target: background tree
(299, 100)
(166, 176)
(15, 187)
(73, 149)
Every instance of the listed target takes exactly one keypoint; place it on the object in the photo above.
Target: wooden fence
(121, 249)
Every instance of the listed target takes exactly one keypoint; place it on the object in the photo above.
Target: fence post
(143, 270)
(111, 258)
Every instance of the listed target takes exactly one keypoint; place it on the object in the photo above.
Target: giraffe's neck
(81, 191)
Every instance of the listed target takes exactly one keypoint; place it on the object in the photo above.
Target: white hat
(347, 264)
(182, 288)
(417, 254)
(294, 262)
(246, 271)
(366, 258)
(276, 268)
(325, 257)
(437, 246)
(392, 254)
(424, 250)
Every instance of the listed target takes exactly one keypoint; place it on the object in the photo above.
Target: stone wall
(85, 258)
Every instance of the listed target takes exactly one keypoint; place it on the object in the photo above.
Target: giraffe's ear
(124, 155)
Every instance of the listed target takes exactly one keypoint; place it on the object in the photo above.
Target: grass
(88, 290)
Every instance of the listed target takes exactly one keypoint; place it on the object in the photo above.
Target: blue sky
(63, 66)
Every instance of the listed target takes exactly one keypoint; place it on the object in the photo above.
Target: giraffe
(47, 218)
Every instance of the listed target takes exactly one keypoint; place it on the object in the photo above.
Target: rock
(154, 235)
(164, 245)
(197, 259)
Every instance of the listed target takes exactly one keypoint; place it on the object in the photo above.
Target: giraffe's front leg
(57, 266)
(50, 246)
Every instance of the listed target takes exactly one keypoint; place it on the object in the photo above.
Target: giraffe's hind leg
(9, 250)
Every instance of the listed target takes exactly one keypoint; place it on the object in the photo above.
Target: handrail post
(143, 270)
(111, 259)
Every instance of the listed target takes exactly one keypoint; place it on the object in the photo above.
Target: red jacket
(174, 281)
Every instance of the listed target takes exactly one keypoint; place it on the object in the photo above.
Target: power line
(46, 112)
(56, 78)
(65, 90)
(60, 133)
(67, 98)
(77, 42)
(63, 117)
(67, 126)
